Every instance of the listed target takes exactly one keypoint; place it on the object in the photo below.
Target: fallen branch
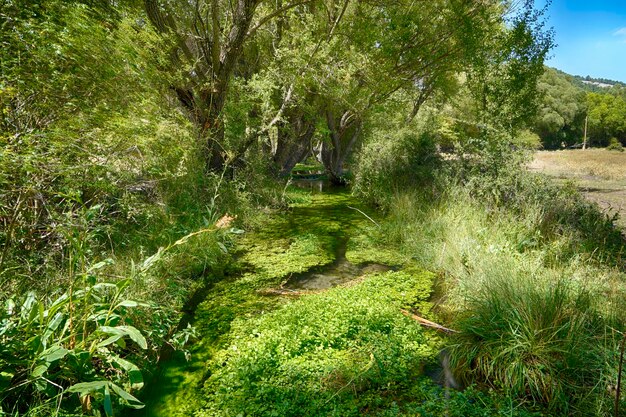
(372, 220)
(427, 323)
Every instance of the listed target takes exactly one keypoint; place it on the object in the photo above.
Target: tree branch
(272, 15)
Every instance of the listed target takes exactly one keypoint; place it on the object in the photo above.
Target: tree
(406, 50)
(208, 39)
(562, 110)
(607, 118)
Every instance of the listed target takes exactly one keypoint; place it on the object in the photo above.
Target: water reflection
(315, 185)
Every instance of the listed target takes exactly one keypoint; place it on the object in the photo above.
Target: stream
(320, 243)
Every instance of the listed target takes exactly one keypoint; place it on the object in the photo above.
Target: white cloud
(621, 32)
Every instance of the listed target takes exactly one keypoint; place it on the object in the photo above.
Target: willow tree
(208, 39)
(381, 49)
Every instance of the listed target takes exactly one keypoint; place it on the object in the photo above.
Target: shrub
(615, 145)
(399, 159)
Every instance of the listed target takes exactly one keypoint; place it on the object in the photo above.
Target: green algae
(309, 236)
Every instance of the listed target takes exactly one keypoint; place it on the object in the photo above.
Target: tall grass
(541, 340)
(532, 276)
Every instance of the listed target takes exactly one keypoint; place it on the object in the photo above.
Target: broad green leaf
(58, 303)
(100, 265)
(131, 401)
(52, 326)
(134, 374)
(39, 370)
(127, 303)
(123, 284)
(108, 405)
(87, 387)
(130, 331)
(102, 285)
(109, 340)
(5, 379)
(27, 307)
(54, 353)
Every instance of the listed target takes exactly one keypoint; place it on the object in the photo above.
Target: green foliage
(50, 348)
(562, 110)
(429, 400)
(607, 117)
(331, 354)
(524, 265)
(527, 140)
(395, 159)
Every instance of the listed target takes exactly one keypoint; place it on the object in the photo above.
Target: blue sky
(590, 37)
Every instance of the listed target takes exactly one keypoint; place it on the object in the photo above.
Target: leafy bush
(397, 159)
(615, 145)
(524, 263)
(80, 342)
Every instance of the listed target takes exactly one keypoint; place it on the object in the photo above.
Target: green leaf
(123, 284)
(9, 306)
(100, 265)
(5, 379)
(27, 307)
(127, 303)
(108, 405)
(222, 247)
(101, 285)
(149, 261)
(58, 303)
(130, 331)
(134, 374)
(54, 353)
(52, 326)
(39, 370)
(131, 401)
(110, 340)
(84, 388)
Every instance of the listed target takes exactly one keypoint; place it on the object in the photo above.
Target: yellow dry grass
(599, 174)
(606, 165)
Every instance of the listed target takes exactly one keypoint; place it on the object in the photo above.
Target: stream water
(306, 249)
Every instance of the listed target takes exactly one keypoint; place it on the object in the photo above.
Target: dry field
(599, 174)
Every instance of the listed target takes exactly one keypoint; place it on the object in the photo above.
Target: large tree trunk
(292, 143)
(212, 47)
(344, 134)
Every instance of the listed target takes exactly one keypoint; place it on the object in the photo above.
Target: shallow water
(339, 272)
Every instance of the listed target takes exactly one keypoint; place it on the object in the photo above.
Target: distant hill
(593, 84)
(588, 83)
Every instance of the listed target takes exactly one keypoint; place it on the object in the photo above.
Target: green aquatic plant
(325, 354)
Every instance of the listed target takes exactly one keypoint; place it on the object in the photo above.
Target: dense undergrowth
(532, 274)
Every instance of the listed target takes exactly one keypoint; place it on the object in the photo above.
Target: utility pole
(585, 135)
